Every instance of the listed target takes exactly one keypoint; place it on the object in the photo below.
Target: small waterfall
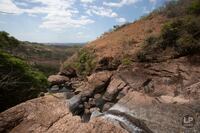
(126, 121)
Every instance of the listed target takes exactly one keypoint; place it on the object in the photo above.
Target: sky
(63, 21)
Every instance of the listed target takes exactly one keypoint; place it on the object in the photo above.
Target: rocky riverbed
(154, 97)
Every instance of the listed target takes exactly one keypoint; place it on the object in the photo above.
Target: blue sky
(68, 20)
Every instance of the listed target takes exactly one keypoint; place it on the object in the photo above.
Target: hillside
(46, 58)
(172, 31)
(129, 39)
(164, 23)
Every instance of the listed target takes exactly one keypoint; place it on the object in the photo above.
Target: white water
(132, 128)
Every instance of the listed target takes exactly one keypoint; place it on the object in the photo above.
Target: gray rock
(74, 103)
(54, 88)
(68, 95)
(99, 102)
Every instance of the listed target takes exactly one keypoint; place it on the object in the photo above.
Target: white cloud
(59, 14)
(9, 7)
(121, 20)
(87, 1)
(21, 4)
(104, 12)
(153, 1)
(146, 11)
(101, 11)
(121, 3)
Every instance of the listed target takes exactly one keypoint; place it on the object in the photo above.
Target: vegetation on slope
(18, 81)
(168, 32)
(45, 58)
(24, 68)
(84, 62)
(180, 36)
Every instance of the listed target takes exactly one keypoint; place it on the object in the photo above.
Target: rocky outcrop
(115, 86)
(49, 114)
(158, 116)
(57, 79)
(165, 78)
(107, 63)
(68, 72)
(90, 93)
(153, 97)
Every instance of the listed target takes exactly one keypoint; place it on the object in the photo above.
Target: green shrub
(186, 44)
(180, 36)
(7, 42)
(170, 32)
(151, 40)
(85, 62)
(18, 81)
(126, 61)
(46, 68)
(192, 26)
(141, 56)
(194, 7)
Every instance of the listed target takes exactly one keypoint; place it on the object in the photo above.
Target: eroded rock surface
(50, 114)
(57, 79)
(144, 97)
(158, 116)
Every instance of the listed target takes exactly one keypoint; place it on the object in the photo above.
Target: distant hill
(46, 58)
(65, 44)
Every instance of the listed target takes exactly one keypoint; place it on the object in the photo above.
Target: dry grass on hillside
(127, 40)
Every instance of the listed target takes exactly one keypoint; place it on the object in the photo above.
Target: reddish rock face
(57, 79)
(99, 80)
(69, 72)
(50, 114)
(113, 88)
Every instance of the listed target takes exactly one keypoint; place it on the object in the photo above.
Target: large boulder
(107, 63)
(57, 79)
(96, 83)
(74, 104)
(69, 72)
(50, 114)
(115, 86)
(99, 80)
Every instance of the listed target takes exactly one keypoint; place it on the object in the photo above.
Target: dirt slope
(127, 40)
